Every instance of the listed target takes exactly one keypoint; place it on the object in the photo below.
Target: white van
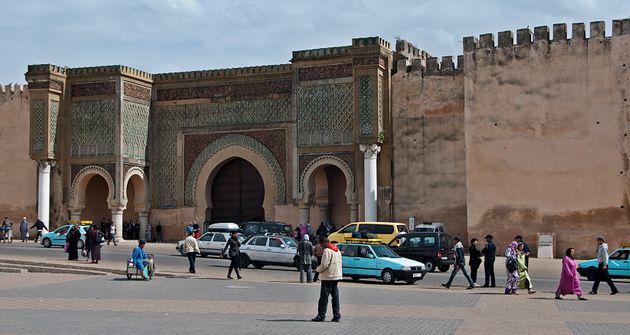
(430, 227)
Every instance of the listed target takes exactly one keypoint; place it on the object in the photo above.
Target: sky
(185, 35)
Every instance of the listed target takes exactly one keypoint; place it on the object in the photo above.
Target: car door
(275, 251)
(204, 242)
(259, 249)
(365, 262)
(348, 253)
(218, 243)
(59, 237)
(618, 263)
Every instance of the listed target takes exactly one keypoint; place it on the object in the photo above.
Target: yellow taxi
(385, 231)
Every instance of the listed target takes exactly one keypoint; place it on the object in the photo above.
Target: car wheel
(388, 276)
(80, 244)
(591, 274)
(244, 261)
(181, 251)
(430, 266)
(411, 281)
(443, 268)
(47, 243)
(355, 278)
(258, 265)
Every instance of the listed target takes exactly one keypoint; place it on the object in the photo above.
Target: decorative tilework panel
(93, 127)
(325, 72)
(366, 105)
(380, 102)
(241, 91)
(136, 91)
(324, 114)
(366, 60)
(51, 84)
(227, 141)
(39, 123)
(135, 119)
(171, 119)
(54, 121)
(90, 89)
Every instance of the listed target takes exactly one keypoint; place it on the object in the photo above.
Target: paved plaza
(269, 301)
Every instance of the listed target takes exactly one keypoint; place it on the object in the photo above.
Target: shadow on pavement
(284, 320)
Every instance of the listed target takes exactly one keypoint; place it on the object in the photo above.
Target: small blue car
(618, 265)
(57, 237)
(378, 261)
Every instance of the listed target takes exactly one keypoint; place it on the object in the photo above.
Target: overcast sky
(182, 35)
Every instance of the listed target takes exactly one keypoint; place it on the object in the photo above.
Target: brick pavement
(242, 307)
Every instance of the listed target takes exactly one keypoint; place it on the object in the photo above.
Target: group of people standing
(94, 238)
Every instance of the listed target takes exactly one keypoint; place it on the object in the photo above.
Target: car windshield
(384, 251)
(290, 242)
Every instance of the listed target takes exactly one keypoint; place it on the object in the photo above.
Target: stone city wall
(429, 154)
(546, 135)
(18, 173)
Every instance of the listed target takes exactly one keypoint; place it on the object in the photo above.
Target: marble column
(43, 192)
(305, 213)
(143, 219)
(370, 153)
(75, 214)
(117, 219)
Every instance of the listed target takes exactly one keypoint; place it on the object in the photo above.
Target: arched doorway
(237, 193)
(96, 196)
(329, 188)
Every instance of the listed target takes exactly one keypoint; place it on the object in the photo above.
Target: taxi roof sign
(625, 245)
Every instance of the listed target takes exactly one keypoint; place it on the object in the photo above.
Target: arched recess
(308, 175)
(80, 183)
(140, 201)
(214, 163)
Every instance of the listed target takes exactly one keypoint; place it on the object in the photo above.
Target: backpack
(189, 230)
(511, 265)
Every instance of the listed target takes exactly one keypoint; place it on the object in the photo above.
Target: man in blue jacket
(140, 259)
(460, 264)
(489, 253)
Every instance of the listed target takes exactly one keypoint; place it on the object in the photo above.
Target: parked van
(386, 231)
(429, 227)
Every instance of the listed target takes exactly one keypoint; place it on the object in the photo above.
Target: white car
(210, 243)
(264, 250)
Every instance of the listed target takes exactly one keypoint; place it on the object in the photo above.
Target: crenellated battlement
(321, 53)
(13, 89)
(527, 37)
(110, 70)
(47, 68)
(230, 72)
(369, 42)
(432, 66)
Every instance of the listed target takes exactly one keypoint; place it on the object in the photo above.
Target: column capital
(370, 151)
(46, 163)
(143, 214)
(117, 209)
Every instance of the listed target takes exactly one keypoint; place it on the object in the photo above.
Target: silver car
(211, 243)
(268, 250)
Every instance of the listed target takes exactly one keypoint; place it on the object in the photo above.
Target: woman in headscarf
(94, 244)
(523, 276)
(72, 238)
(569, 278)
(511, 268)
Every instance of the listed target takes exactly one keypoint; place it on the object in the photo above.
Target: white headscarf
(306, 238)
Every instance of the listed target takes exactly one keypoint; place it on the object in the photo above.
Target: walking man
(191, 248)
(330, 275)
(526, 251)
(24, 229)
(460, 264)
(602, 268)
(148, 232)
(305, 253)
(233, 248)
(489, 252)
(40, 226)
(112, 233)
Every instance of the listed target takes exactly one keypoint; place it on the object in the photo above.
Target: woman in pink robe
(569, 278)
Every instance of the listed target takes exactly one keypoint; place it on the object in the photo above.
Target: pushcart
(132, 270)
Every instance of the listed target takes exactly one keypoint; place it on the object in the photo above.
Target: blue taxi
(618, 264)
(57, 237)
(378, 261)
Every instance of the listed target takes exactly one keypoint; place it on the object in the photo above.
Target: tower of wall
(546, 134)
(18, 173)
